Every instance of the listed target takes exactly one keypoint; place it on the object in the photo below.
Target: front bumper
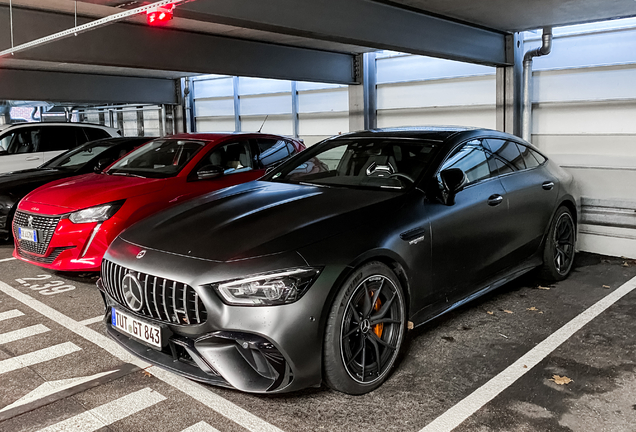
(265, 349)
(73, 247)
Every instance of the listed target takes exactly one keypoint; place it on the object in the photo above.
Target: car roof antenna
(261, 128)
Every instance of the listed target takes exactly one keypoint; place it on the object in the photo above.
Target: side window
(5, 142)
(58, 138)
(232, 157)
(470, 158)
(528, 156)
(95, 134)
(273, 151)
(26, 140)
(508, 151)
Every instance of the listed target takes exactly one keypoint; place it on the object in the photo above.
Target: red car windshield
(161, 158)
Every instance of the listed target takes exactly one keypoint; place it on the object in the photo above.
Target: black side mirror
(209, 172)
(453, 181)
(101, 164)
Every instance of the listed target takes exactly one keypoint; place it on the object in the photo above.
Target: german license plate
(130, 325)
(28, 234)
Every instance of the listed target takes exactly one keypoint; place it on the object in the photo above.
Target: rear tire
(558, 252)
(365, 330)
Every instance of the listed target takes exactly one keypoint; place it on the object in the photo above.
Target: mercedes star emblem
(133, 294)
(141, 254)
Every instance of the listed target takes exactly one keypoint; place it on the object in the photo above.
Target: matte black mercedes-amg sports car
(312, 274)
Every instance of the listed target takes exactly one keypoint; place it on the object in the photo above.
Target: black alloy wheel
(365, 330)
(559, 251)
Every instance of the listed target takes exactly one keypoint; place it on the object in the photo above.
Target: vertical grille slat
(180, 303)
(146, 296)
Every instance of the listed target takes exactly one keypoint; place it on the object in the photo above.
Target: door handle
(548, 185)
(494, 200)
(32, 158)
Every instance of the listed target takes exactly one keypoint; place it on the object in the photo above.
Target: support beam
(295, 117)
(84, 88)
(237, 104)
(359, 22)
(509, 85)
(363, 98)
(141, 46)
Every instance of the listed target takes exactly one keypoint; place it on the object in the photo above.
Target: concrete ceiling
(521, 15)
(313, 40)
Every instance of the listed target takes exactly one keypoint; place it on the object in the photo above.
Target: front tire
(365, 330)
(558, 253)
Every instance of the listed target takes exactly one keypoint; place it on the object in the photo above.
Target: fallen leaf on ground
(560, 380)
(490, 313)
(542, 287)
(147, 374)
(507, 311)
(606, 286)
(448, 338)
(525, 366)
(625, 264)
(541, 312)
(410, 325)
(532, 308)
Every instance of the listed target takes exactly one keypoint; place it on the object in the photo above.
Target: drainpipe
(544, 49)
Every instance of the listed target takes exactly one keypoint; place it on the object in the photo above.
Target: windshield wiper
(126, 174)
(315, 184)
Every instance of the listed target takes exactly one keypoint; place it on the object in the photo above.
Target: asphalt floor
(52, 338)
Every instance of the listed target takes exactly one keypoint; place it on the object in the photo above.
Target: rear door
(19, 149)
(531, 192)
(467, 241)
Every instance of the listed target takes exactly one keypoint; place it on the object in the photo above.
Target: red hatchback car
(67, 225)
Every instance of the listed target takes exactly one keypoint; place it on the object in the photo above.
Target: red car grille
(45, 227)
(163, 299)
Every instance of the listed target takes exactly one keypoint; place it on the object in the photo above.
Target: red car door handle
(494, 200)
(547, 185)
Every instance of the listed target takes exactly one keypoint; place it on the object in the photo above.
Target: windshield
(79, 157)
(388, 163)
(160, 158)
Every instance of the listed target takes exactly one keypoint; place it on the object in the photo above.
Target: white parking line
(200, 427)
(109, 413)
(22, 333)
(224, 407)
(484, 394)
(10, 314)
(92, 320)
(35, 357)
(6, 259)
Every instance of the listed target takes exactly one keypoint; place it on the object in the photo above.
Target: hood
(31, 177)
(92, 189)
(259, 218)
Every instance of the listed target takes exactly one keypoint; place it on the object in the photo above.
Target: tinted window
(61, 138)
(95, 134)
(232, 157)
(538, 156)
(5, 141)
(508, 151)
(79, 157)
(528, 157)
(470, 158)
(26, 140)
(273, 151)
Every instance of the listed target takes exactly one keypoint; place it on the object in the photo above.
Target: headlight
(267, 289)
(96, 214)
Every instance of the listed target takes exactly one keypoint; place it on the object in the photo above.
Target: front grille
(164, 299)
(45, 227)
(43, 260)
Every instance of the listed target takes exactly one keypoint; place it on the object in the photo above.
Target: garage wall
(584, 117)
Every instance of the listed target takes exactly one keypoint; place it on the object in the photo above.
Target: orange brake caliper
(377, 329)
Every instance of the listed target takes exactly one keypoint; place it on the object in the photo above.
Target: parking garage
(528, 356)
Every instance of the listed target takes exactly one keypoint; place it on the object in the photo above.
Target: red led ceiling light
(160, 15)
